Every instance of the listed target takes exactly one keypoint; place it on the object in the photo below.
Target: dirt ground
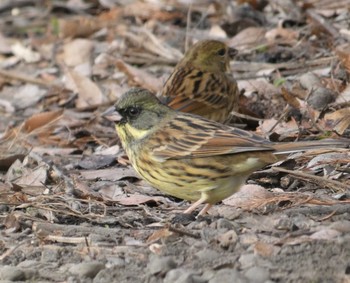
(71, 207)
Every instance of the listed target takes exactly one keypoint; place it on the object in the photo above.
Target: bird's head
(137, 112)
(211, 55)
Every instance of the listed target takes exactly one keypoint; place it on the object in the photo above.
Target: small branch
(25, 78)
(323, 23)
(334, 185)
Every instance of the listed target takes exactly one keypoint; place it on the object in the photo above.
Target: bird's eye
(133, 111)
(221, 52)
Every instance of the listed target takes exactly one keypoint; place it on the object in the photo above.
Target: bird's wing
(189, 89)
(189, 136)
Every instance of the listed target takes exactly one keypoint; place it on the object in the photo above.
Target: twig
(327, 216)
(323, 23)
(25, 78)
(188, 26)
(335, 185)
(239, 115)
(183, 232)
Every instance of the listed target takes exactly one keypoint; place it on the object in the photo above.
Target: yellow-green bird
(202, 82)
(188, 156)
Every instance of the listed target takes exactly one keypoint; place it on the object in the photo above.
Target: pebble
(181, 275)
(248, 239)
(228, 275)
(207, 255)
(247, 260)
(50, 254)
(11, 273)
(341, 226)
(228, 239)
(223, 223)
(161, 265)
(257, 274)
(87, 269)
(115, 261)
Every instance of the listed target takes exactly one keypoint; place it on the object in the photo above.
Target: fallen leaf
(136, 199)
(140, 77)
(339, 120)
(41, 119)
(88, 92)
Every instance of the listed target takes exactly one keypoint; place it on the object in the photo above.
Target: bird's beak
(112, 114)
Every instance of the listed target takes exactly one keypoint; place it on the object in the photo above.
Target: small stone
(87, 269)
(228, 239)
(228, 275)
(342, 226)
(247, 260)
(50, 255)
(11, 273)
(257, 274)
(161, 265)
(181, 275)
(223, 223)
(115, 261)
(248, 239)
(321, 97)
(207, 255)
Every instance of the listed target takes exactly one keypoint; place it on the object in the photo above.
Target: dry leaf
(136, 199)
(339, 120)
(140, 77)
(41, 119)
(158, 235)
(282, 35)
(25, 53)
(77, 52)
(80, 26)
(290, 98)
(88, 92)
(343, 53)
(246, 194)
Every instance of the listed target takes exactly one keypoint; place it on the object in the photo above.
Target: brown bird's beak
(112, 114)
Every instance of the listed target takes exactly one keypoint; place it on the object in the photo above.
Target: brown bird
(190, 157)
(202, 83)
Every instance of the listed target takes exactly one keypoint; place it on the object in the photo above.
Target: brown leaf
(136, 199)
(140, 77)
(339, 120)
(264, 249)
(343, 52)
(159, 234)
(89, 93)
(41, 119)
(290, 98)
(80, 26)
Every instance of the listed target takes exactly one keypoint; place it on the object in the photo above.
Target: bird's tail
(289, 147)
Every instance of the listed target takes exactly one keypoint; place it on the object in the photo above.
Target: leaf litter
(66, 187)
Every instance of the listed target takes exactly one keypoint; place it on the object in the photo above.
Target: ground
(72, 209)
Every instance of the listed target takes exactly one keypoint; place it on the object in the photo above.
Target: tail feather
(289, 147)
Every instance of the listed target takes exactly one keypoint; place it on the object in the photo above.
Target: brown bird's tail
(289, 147)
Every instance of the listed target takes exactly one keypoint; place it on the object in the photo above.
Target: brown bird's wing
(194, 137)
(190, 90)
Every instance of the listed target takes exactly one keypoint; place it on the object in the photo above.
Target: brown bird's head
(210, 55)
(137, 109)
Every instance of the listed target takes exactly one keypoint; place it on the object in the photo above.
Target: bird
(191, 157)
(202, 83)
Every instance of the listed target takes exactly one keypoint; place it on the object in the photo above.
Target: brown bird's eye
(133, 111)
(221, 52)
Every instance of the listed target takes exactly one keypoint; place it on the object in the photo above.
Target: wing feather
(202, 139)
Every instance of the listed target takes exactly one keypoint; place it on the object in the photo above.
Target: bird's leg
(205, 209)
(195, 205)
